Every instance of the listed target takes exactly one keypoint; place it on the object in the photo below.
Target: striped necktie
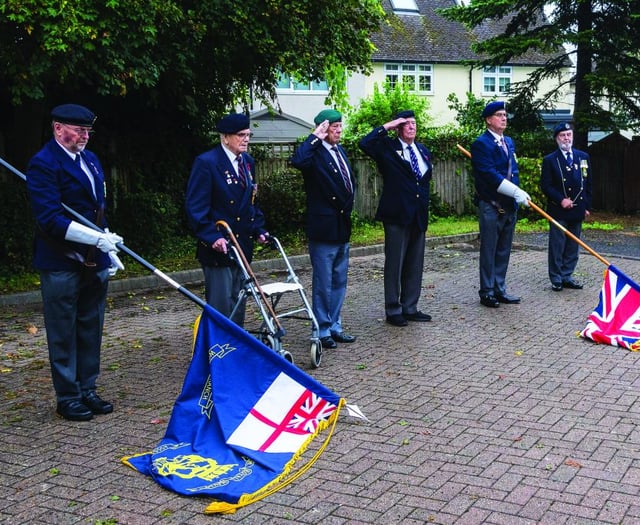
(414, 162)
(242, 173)
(343, 170)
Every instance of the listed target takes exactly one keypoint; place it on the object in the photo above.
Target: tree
(166, 68)
(380, 107)
(602, 37)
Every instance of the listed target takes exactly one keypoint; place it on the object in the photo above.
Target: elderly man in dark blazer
(222, 187)
(406, 168)
(495, 172)
(329, 186)
(74, 261)
(566, 181)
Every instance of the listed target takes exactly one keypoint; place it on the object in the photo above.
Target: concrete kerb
(194, 276)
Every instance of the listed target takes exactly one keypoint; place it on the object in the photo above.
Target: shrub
(147, 221)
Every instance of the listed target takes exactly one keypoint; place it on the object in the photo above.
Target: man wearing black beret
(73, 273)
(222, 186)
(566, 181)
(495, 172)
(406, 168)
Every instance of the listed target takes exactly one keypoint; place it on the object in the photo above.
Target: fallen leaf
(32, 329)
(572, 463)
(157, 421)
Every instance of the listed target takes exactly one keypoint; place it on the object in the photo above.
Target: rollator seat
(280, 288)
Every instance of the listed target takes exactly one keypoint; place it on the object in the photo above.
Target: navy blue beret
(233, 123)
(493, 107)
(73, 114)
(565, 126)
(405, 114)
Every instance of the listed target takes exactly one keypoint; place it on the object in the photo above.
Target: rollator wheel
(287, 356)
(316, 353)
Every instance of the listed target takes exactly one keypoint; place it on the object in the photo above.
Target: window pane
(404, 5)
(489, 85)
(284, 82)
(319, 85)
(409, 82)
(392, 80)
(300, 86)
(425, 83)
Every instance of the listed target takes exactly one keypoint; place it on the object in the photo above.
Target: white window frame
(500, 76)
(296, 86)
(404, 6)
(412, 74)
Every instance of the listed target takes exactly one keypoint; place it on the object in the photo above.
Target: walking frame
(267, 298)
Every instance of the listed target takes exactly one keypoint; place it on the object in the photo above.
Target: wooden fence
(450, 179)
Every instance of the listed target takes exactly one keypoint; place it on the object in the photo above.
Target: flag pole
(554, 222)
(121, 246)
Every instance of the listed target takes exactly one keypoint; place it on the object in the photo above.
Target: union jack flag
(616, 319)
(283, 418)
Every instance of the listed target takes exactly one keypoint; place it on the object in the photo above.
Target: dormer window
(404, 6)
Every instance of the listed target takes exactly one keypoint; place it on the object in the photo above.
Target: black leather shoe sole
(417, 317)
(328, 343)
(556, 287)
(507, 299)
(74, 411)
(397, 320)
(490, 301)
(343, 338)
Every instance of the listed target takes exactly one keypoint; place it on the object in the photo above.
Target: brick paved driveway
(483, 416)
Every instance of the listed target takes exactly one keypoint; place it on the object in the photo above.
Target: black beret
(493, 107)
(233, 123)
(405, 114)
(565, 126)
(73, 114)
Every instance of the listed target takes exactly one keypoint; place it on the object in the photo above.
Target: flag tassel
(286, 478)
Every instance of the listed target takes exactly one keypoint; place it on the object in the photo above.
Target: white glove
(509, 189)
(116, 264)
(105, 242)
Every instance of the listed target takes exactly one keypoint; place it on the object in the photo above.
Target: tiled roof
(428, 37)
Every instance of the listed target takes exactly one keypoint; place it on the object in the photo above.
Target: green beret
(331, 115)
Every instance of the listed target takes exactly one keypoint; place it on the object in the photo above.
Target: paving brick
(473, 417)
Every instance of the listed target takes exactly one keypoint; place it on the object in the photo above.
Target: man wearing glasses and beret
(495, 172)
(74, 261)
(222, 187)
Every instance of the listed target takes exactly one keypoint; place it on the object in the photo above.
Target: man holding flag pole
(74, 261)
(495, 172)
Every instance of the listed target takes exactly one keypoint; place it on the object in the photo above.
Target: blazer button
(237, 219)
(232, 202)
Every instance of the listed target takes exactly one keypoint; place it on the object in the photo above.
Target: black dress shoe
(418, 317)
(508, 299)
(556, 287)
(97, 405)
(343, 337)
(570, 283)
(397, 320)
(489, 300)
(74, 410)
(328, 342)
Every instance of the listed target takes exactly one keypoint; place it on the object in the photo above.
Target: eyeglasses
(244, 135)
(80, 131)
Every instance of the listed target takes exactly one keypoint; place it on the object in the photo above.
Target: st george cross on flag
(616, 319)
(242, 420)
